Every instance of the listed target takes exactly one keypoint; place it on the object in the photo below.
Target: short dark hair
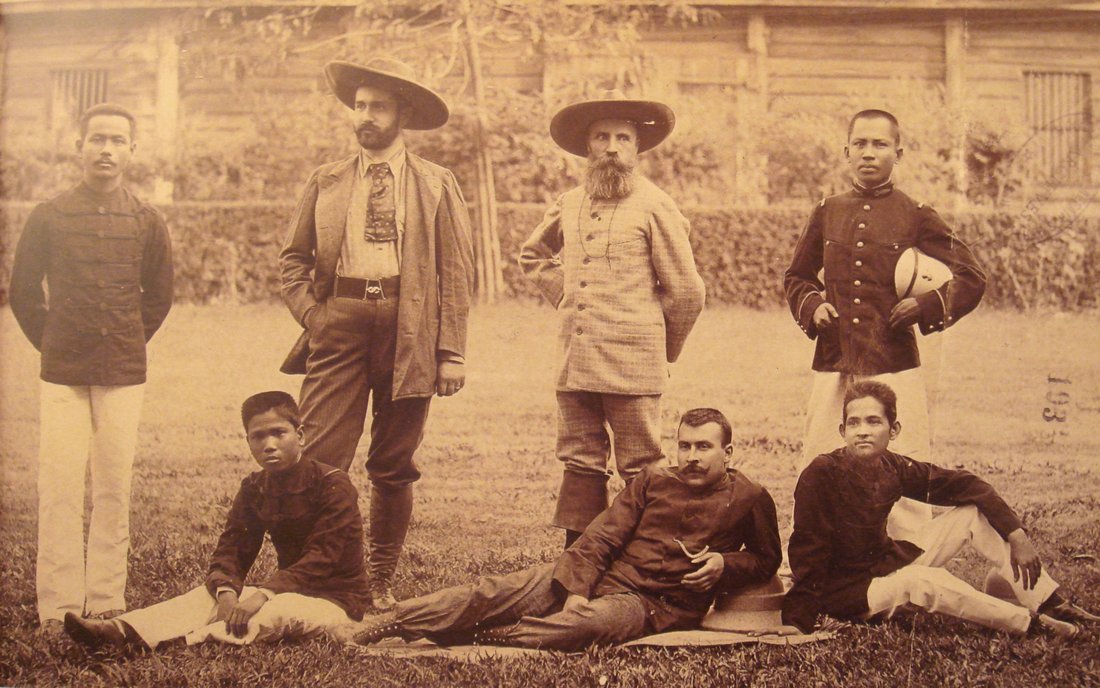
(280, 402)
(877, 114)
(876, 390)
(699, 417)
(107, 109)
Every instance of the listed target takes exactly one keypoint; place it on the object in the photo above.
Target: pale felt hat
(429, 110)
(754, 608)
(569, 127)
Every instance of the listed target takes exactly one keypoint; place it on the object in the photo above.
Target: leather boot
(582, 497)
(374, 628)
(390, 513)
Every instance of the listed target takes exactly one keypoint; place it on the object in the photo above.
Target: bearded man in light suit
(613, 257)
(378, 268)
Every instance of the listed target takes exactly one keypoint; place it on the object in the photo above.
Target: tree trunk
(490, 274)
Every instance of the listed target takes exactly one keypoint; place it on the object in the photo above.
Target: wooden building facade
(1030, 62)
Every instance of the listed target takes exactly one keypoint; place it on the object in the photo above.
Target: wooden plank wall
(808, 61)
(121, 42)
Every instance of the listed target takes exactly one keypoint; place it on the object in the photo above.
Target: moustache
(609, 162)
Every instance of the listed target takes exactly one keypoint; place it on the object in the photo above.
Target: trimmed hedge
(229, 252)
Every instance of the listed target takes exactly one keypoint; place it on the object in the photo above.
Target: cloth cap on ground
(429, 110)
(755, 608)
(569, 127)
(918, 273)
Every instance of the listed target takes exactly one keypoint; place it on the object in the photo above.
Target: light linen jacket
(623, 278)
(437, 273)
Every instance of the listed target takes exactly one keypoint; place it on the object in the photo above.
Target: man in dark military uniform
(862, 329)
(106, 257)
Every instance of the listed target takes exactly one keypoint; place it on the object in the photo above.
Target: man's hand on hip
(450, 376)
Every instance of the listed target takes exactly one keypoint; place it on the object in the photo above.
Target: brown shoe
(381, 597)
(374, 628)
(95, 633)
(1068, 611)
(1048, 625)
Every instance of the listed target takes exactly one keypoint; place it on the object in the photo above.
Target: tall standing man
(377, 267)
(106, 259)
(862, 329)
(613, 257)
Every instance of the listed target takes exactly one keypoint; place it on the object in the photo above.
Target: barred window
(1059, 114)
(74, 91)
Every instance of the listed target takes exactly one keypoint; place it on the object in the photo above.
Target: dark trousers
(529, 609)
(352, 346)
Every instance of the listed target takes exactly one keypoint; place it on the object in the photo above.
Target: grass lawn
(490, 481)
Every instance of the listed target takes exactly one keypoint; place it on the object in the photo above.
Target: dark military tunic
(311, 513)
(839, 542)
(631, 547)
(107, 261)
(857, 237)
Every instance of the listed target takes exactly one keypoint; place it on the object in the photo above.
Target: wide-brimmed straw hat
(569, 127)
(429, 110)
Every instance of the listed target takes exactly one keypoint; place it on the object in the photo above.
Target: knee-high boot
(390, 513)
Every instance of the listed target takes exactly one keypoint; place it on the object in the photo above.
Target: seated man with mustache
(613, 257)
(629, 574)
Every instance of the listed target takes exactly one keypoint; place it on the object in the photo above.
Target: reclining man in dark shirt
(630, 573)
(846, 566)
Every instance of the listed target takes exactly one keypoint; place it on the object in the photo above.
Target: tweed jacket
(857, 237)
(436, 265)
(107, 259)
(311, 514)
(839, 542)
(631, 547)
(623, 277)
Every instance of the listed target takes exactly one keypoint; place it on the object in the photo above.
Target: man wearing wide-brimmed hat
(377, 267)
(613, 257)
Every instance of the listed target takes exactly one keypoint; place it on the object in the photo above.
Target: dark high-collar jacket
(107, 259)
(858, 237)
(311, 513)
(839, 542)
(631, 546)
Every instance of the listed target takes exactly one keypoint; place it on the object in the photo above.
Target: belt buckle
(374, 290)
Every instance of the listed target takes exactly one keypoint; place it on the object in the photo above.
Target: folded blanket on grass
(423, 648)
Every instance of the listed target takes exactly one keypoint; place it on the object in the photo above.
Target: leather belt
(362, 289)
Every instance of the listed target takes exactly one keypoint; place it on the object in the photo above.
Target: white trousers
(926, 585)
(191, 615)
(824, 416)
(81, 426)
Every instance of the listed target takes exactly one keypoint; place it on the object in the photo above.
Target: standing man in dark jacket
(862, 329)
(106, 258)
(378, 268)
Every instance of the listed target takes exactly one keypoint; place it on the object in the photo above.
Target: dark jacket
(839, 542)
(631, 546)
(311, 513)
(107, 259)
(857, 237)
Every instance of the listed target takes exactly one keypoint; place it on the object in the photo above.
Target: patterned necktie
(381, 212)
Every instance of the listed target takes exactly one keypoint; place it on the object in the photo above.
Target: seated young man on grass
(652, 562)
(846, 566)
(311, 513)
